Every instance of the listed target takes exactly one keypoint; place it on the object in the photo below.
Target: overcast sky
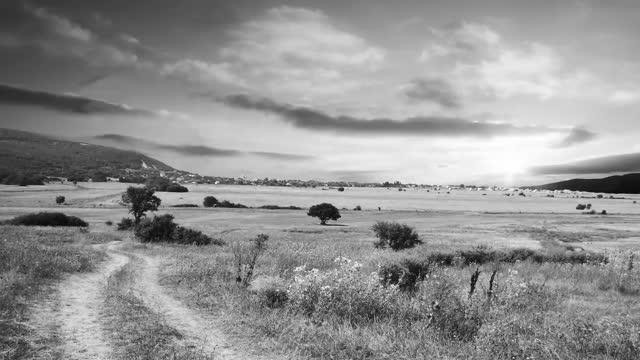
(448, 91)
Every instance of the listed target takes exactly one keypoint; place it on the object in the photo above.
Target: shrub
(357, 208)
(246, 257)
(276, 207)
(209, 201)
(396, 236)
(185, 236)
(341, 189)
(581, 207)
(185, 206)
(229, 204)
(176, 188)
(108, 222)
(60, 199)
(140, 200)
(159, 229)
(405, 273)
(324, 212)
(126, 224)
(47, 219)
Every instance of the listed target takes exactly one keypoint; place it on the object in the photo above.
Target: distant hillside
(31, 154)
(620, 184)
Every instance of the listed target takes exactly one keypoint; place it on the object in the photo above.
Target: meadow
(317, 291)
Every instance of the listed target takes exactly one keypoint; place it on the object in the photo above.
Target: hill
(31, 156)
(619, 184)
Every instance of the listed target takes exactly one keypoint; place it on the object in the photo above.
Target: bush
(126, 224)
(276, 207)
(108, 222)
(357, 208)
(229, 204)
(405, 273)
(581, 207)
(176, 188)
(185, 236)
(159, 229)
(341, 189)
(324, 212)
(185, 206)
(60, 199)
(396, 236)
(163, 229)
(47, 219)
(209, 201)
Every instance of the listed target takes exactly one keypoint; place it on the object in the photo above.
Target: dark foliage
(176, 188)
(60, 199)
(406, 273)
(9, 177)
(229, 204)
(209, 201)
(619, 184)
(140, 200)
(126, 224)
(396, 236)
(276, 207)
(47, 219)
(132, 179)
(163, 229)
(185, 206)
(324, 212)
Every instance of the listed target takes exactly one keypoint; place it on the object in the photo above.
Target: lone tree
(324, 212)
(209, 201)
(60, 199)
(140, 200)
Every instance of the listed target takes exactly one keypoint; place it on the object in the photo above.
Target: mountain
(619, 184)
(24, 153)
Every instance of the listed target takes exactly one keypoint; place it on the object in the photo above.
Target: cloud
(31, 26)
(193, 150)
(576, 136)
(310, 119)
(621, 163)
(479, 60)
(288, 50)
(432, 90)
(11, 95)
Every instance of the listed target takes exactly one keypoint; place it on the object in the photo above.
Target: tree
(209, 201)
(60, 199)
(394, 235)
(324, 212)
(140, 200)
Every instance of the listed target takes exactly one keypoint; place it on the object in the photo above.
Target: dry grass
(136, 331)
(30, 258)
(536, 311)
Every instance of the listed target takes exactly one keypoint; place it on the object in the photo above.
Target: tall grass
(30, 258)
(325, 299)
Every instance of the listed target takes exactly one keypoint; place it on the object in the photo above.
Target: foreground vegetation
(338, 299)
(30, 258)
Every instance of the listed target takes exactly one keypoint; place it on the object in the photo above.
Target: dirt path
(75, 312)
(199, 330)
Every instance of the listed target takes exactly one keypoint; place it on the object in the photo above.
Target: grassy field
(316, 291)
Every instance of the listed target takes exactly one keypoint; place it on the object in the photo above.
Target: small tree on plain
(209, 201)
(60, 199)
(324, 212)
(394, 235)
(140, 200)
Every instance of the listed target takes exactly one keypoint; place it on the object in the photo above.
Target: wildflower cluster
(344, 292)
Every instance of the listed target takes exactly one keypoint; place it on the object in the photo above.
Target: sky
(496, 92)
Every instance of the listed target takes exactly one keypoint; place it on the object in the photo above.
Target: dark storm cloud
(576, 136)
(602, 165)
(437, 91)
(11, 95)
(306, 118)
(193, 150)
